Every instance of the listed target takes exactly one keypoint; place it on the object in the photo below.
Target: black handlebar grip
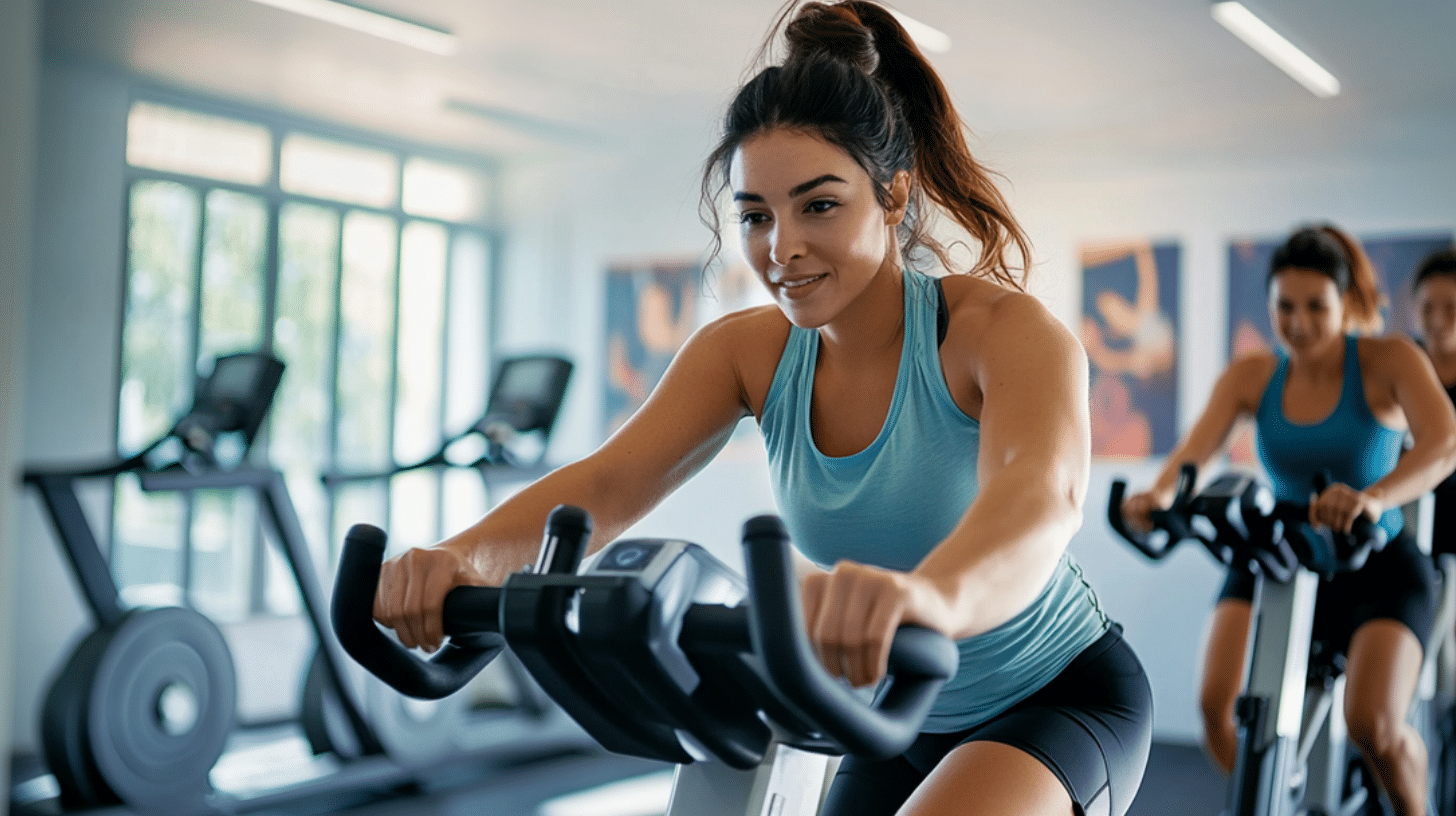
(1115, 518)
(352, 611)
(567, 531)
(925, 659)
(1172, 521)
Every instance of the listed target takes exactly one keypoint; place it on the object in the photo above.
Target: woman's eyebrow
(795, 191)
(800, 189)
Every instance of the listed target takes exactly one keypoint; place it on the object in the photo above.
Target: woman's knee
(1375, 729)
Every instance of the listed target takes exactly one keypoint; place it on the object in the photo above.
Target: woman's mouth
(800, 283)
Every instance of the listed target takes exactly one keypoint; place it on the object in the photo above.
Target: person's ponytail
(1363, 299)
(853, 76)
(944, 166)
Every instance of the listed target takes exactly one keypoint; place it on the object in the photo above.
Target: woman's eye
(751, 218)
(821, 205)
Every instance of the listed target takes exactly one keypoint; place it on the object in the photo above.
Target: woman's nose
(785, 243)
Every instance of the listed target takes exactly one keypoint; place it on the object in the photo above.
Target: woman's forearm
(1001, 554)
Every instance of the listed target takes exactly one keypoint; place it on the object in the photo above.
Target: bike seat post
(1273, 708)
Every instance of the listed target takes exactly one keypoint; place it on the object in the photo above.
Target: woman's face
(1306, 310)
(813, 231)
(1436, 304)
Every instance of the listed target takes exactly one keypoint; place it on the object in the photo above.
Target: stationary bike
(661, 651)
(1293, 753)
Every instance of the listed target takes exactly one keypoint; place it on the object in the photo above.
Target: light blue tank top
(892, 503)
(1350, 443)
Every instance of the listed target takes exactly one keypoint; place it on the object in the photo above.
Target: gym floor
(1180, 781)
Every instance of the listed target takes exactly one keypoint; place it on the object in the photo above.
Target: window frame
(275, 200)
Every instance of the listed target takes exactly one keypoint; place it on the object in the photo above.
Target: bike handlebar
(1274, 537)
(472, 619)
(922, 660)
(770, 625)
(1175, 522)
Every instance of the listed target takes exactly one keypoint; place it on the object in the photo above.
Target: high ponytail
(1332, 252)
(853, 76)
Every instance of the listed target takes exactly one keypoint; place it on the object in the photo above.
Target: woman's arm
(1432, 454)
(682, 425)
(1035, 452)
(1234, 395)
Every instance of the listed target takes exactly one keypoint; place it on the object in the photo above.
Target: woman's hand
(853, 611)
(412, 590)
(1138, 509)
(1339, 505)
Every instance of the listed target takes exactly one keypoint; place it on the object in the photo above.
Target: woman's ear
(899, 198)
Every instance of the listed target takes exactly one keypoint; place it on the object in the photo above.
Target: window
(366, 270)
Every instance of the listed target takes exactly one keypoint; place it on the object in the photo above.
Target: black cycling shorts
(1092, 726)
(1399, 583)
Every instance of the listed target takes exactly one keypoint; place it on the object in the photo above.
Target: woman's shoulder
(1251, 368)
(1389, 353)
(1388, 345)
(978, 305)
(754, 325)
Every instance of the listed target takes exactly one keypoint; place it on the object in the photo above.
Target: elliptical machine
(660, 651)
(1293, 754)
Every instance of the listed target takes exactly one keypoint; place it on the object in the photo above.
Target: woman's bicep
(1229, 400)
(1035, 409)
(1424, 402)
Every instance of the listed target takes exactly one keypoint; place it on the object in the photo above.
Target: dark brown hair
(853, 77)
(1330, 251)
(1442, 262)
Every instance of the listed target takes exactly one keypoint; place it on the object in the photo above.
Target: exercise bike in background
(1293, 755)
(143, 712)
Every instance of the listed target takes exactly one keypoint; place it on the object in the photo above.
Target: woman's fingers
(852, 614)
(411, 595)
(1137, 509)
(1338, 507)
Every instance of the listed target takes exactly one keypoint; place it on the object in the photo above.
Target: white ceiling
(1145, 80)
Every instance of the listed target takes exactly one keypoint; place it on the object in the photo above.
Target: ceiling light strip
(376, 23)
(1274, 47)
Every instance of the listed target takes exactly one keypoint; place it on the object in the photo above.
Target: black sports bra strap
(942, 313)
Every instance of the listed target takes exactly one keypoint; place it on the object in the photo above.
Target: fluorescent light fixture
(929, 39)
(378, 23)
(1271, 44)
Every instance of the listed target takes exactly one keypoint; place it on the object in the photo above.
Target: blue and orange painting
(1130, 330)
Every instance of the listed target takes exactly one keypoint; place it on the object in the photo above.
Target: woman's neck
(1327, 362)
(873, 323)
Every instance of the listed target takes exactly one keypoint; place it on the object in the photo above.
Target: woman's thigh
(1077, 745)
(991, 778)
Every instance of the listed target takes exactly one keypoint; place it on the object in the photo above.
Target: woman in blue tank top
(928, 436)
(1332, 399)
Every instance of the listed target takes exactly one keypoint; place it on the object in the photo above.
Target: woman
(929, 445)
(1332, 400)
(1435, 291)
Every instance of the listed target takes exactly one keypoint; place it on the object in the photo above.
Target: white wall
(19, 61)
(73, 310)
